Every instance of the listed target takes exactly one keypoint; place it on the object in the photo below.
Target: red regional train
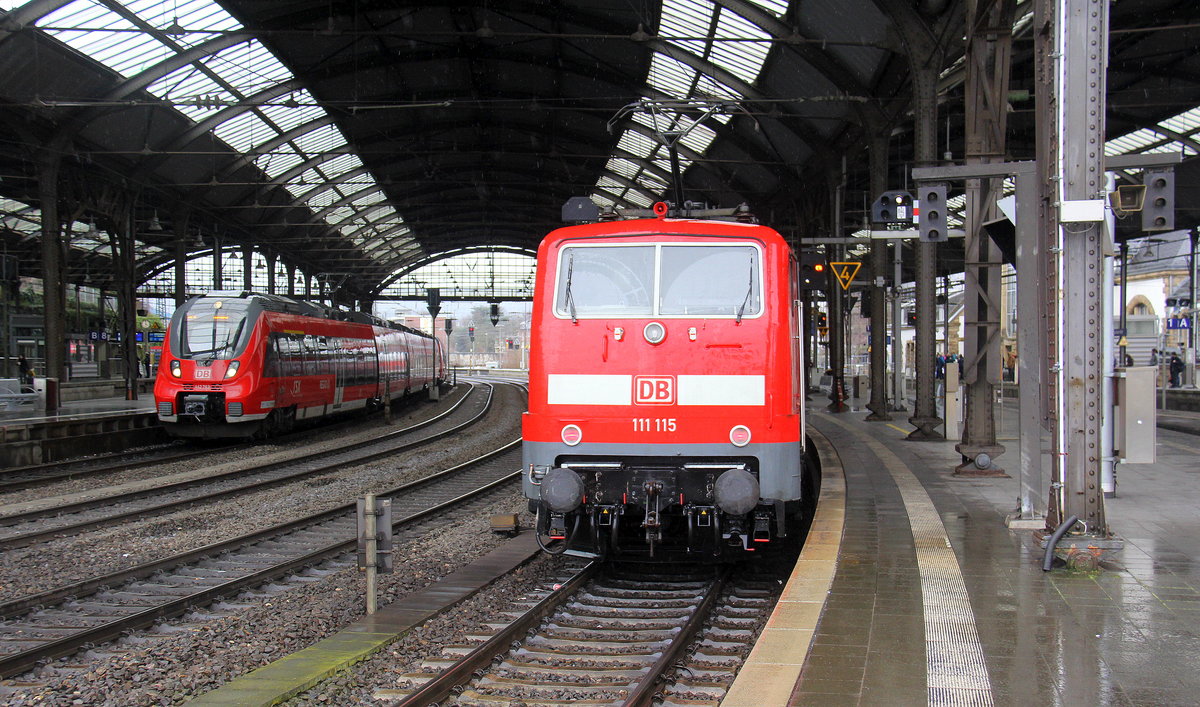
(666, 399)
(240, 364)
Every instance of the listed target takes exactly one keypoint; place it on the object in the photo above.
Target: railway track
(38, 628)
(605, 638)
(35, 475)
(61, 520)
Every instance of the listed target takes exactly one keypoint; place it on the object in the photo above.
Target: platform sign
(1179, 323)
(845, 273)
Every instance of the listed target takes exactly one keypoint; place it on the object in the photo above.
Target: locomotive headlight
(572, 435)
(654, 332)
(176, 369)
(740, 436)
(233, 369)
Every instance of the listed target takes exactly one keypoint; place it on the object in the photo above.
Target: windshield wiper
(570, 297)
(746, 299)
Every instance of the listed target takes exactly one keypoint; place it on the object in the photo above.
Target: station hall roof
(366, 139)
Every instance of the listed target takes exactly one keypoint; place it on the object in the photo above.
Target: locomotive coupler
(653, 491)
(762, 527)
(558, 526)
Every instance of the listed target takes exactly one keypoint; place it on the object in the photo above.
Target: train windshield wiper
(746, 299)
(569, 296)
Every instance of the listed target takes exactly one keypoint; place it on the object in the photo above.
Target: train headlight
(654, 332)
(233, 369)
(176, 369)
(740, 436)
(572, 435)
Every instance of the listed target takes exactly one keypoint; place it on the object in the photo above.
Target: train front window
(671, 280)
(708, 280)
(214, 328)
(606, 281)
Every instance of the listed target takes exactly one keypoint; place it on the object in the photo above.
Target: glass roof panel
(107, 37)
(340, 165)
(249, 67)
(623, 167)
(320, 140)
(775, 7)
(278, 161)
(286, 117)
(636, 143)
(685, 23)
(244, 131)
(744, 59)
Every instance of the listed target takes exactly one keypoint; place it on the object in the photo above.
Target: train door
(337, 353)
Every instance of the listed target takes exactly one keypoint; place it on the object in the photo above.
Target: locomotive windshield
(710, 280)
(213, 328)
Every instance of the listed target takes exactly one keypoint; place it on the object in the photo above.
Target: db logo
(654, 390)
(204, 373)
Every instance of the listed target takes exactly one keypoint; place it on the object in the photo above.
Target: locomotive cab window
(213, 329)
(711, 280)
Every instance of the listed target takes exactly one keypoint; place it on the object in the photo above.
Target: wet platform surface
(892, 632)
(77, 409)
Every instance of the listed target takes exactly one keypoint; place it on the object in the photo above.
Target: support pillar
(54, 324)
(878, 157)
(1076, 127)
(248, 268)
(925, 417)
(989, 50)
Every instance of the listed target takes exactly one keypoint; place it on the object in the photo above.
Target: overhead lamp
(154, 223)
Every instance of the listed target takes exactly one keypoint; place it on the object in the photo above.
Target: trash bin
(47, 392)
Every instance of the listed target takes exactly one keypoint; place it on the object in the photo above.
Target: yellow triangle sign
(845, 273)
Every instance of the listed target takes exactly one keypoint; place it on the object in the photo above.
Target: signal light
(933, 228)
(739, 436)
(1158, 210)
(572, 435)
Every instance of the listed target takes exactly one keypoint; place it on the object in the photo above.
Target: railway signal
(813, 272)
(933, 226)
(893, 207)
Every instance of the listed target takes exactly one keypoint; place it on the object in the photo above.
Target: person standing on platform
(25, 372)
(1176, 369)
(1153, 357)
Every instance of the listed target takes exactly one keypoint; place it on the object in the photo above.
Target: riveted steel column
(1082, 35)
(878, 157)
(925, 417)
(989, 48)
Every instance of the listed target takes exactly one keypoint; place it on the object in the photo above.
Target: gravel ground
(179, 667)
(39, 568)
(356, 685)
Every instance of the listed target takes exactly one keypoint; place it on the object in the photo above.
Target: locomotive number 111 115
(653, 424)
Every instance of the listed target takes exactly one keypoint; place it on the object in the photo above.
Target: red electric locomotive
(666, 407)
(236, 364)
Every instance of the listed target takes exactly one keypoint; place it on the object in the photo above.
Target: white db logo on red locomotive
(204, 373)
(654, 390)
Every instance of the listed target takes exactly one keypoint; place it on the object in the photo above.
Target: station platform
(931, 599)
(105, 404)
